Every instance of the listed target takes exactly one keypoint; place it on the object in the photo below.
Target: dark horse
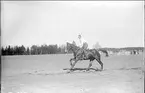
(91, 55)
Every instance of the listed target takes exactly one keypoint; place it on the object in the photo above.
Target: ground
(45, 74)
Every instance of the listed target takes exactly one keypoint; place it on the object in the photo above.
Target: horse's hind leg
(100, 63)
(90, 64)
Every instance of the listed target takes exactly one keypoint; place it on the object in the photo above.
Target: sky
(112, 24)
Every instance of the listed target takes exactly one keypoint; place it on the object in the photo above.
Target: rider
(83, 45)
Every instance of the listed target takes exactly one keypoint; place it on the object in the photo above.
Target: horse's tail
(104, 51)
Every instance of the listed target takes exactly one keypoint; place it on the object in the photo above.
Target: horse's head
(71, 47)
(68, 46)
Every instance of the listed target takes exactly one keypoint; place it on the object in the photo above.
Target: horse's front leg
(71, 64)
(75, 61)
(71, 61)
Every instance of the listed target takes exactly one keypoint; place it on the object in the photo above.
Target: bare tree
(97, 45)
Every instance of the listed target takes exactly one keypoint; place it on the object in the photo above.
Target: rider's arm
(80, 43)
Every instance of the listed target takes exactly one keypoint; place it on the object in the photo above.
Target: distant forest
(126, 49)
(33, 50)
(51, 49)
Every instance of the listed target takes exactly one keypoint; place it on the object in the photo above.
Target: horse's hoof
(88, 70)
(101, 70)
(68, 72)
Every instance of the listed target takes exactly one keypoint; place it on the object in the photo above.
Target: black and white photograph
(72, 46)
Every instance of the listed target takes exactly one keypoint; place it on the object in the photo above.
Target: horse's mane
(75, 48)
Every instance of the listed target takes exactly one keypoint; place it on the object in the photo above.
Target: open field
(45, 74)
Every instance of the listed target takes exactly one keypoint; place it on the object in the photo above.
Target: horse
(91, 54)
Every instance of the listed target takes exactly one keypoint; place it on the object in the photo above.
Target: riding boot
(85, 55)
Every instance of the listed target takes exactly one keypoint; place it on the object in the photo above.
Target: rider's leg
(82, 54)
(85, 46)
(85, 56)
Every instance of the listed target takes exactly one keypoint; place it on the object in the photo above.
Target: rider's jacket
(81, 42)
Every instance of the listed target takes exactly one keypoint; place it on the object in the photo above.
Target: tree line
(125, 48)
(33, 50)
(51, 49)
